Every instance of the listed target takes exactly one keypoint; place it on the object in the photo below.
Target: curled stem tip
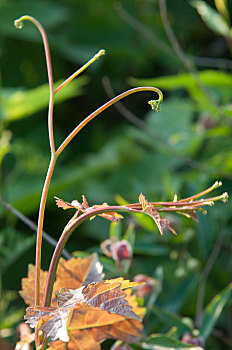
(18, 23)
(155, 104)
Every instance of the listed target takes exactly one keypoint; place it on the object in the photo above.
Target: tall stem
(40, 227)
(19, 24)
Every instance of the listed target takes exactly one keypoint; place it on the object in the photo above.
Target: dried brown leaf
(90, 315)
(150, 210)
(28, 285)
(74, 205)
(72, 273)
(112, 216)
(62, 204)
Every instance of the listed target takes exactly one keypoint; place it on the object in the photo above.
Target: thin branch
(160, 45)
(140, 27)
(32, 226)
(179, 51)
(212, 62)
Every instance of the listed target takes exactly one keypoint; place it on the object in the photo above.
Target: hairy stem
(107, 105)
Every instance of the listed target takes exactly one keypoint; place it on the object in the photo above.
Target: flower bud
(121, 250)
(118, 250)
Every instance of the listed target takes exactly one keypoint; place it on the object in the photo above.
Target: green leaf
(185, 80)
(21, 104)
(212, 18)
(213, 311)
(210, 78)
(162, 342)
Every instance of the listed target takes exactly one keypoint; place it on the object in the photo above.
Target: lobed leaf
(72, 273)
(89, 315)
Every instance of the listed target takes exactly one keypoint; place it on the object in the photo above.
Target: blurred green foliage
(181, 150)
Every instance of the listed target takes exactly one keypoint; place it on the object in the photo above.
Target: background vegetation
(183, 149)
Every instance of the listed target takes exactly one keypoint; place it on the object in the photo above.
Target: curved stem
(188, 64)
(19, 24)
(155, 104)
(71, 226)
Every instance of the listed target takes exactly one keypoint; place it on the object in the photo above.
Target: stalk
(79, 218)
(19, 24)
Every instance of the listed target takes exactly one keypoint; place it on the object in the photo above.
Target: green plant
(47, 319)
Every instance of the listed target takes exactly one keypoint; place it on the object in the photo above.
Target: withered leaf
(72, 273)
(76, 272)
(112, 216)
(90, 314)
(150, 210)
(74, 205)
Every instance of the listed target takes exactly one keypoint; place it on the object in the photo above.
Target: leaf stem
(155, 104)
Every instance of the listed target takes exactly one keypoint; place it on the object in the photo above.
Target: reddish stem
(102, 108)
